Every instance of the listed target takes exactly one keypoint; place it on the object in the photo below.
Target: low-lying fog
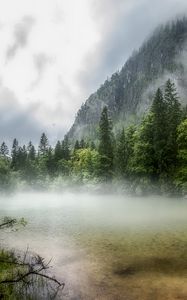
(62, 226)
(83, 210)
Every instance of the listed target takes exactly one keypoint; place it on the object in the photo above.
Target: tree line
(150, 155)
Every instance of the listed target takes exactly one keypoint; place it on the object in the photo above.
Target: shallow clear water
(64, 226)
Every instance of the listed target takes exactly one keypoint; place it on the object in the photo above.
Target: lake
(105, 246)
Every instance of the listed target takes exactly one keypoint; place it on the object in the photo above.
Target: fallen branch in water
(28, 267)
(9, 222)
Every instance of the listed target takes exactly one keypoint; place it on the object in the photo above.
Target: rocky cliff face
(129, 92)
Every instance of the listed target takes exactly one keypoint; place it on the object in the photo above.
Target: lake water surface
(104, 246)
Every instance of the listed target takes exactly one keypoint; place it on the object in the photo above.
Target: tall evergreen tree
(50, 163)
(92, 146)
(159, 132)
(65, 148)
(31, 169)
(121, 155)
(44, 145)
(4, 149)
(76, 146)
(14, 153)
(22, 158)
(31, 151)
(105, 146)
(82, 144)
(58, 151)
(130, 143)
(142, 156)
(174, 115)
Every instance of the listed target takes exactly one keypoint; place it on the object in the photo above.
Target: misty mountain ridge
(129, 93)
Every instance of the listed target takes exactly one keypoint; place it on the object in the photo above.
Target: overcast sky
(55, 53)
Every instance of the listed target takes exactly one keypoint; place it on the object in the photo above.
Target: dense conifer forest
(150, 156)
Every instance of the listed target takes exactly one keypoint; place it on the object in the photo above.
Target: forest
(149, 157)
(129, 91)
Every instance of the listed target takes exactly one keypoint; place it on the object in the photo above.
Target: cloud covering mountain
(55, 53)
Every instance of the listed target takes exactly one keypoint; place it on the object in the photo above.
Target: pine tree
(44, 145)
(105, 146)
(58, 151)
(82, 144)
(4, 149)
(14, 153)
(130, 143)
(121, 155)
(65, 148)
(76, 146)
(160, 135)
(174, 115)
(184, 112)
(22, 158)
(142, 153)
(50, 163)
(30, 172)
(31, 151)
(92, 146)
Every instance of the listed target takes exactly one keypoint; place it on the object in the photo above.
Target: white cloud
(63, 32)
(61, 50)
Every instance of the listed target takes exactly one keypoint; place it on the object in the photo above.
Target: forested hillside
(128, 93)
(150, 156)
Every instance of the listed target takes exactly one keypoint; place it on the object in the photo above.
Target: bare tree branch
(35, 267)
(11, 222)
(24, 271)
(8, 223)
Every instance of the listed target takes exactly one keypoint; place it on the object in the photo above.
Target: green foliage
(181, 177)
(5, 174)
(174, 117)
(159, 133)
(105, 146)
(149, 153)
(64, 167)
(65, 148)
(121, 158)
(152, 153)
(124, 152)
(44, 145)
(14, 153)
(85, 164)
(4, 150)
(6, 292)
(58, 151)
(31, 152)
(142, 161)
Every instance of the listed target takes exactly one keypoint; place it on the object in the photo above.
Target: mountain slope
(128, 93)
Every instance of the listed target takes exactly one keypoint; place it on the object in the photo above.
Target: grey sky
(15, 122)
(55, 53)
(124, 24)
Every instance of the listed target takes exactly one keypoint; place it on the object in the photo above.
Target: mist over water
(94, 210)
(65, 226)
